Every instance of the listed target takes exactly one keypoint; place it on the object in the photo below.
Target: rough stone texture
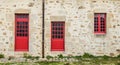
(7, 28)
(79, 30)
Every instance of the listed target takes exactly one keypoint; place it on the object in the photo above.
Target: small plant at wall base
(37, 57)
(87, 55)
(77, 57)
(105, 57)
(1, 55)
(60, 56)
(118, 56)
(67, 63)
(27, 56)
(118, 63)
(49, 57)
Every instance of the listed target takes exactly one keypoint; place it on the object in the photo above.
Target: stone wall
(79, 26)
(7, 25)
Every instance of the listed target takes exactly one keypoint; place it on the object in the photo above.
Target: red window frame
(57, 35)
(100, 23)
(22, 32)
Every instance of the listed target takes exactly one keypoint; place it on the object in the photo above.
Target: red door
(21, 32)
(57, 36)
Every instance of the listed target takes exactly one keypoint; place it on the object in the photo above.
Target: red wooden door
(57, 36)
(21, 32)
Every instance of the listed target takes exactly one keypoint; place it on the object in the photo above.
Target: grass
(86, 59)
(91, 61)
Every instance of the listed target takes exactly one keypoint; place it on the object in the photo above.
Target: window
(99, 23)
(22, 29)
(57, 36)
(21, 32)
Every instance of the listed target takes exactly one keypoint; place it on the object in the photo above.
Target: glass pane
(58, 36)
(53, 32)
(102, 15)
(53, 36)
(26, 34)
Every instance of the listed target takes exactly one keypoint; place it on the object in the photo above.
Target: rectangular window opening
(100, 23)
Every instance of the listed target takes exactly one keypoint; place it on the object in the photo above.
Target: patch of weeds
(77, 57)
(27, 56)
(118, 56)
(7, 63)
(37, 57)
(87, 55)
(118, 63)
(42, 62)
(67, 63)
(49, 57)
(60, 56)
(105, 57)
(2, 56)
(49, 63)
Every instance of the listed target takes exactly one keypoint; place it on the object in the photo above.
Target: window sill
(99, 33)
